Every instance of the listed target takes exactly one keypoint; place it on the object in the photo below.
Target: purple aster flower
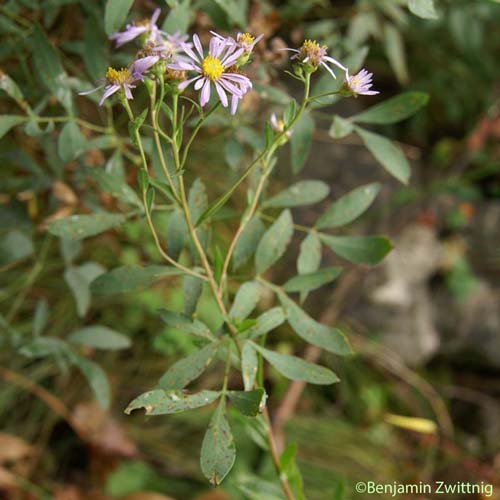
(360, 83)
(171, 46)
(135, 29)
(313, 54)
(123, 79)
(216, 68)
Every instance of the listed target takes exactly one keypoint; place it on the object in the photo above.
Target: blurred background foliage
(424, 324)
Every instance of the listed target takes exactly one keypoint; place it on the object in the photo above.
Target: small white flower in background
(278, 125)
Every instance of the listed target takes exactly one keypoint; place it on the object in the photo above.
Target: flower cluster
(172, 57)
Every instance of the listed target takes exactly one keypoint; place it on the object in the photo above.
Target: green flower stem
(79, 121)
(164, 254)
(196, 129)
(154, 121)
(326, 94)
(267, 154)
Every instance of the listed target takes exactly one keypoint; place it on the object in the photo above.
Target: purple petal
(143, 64)
(108, 92)
(197, 44)
(185, 83)
(222, 94)
(205, 93)
(155, 16)
(234, 104)
(87, 92)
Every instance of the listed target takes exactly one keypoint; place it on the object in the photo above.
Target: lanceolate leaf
(387, 153)
(128, 279)
(161, 402)
(249, 365)
(186, 324)
(330, 339)
(191, 288)
(349, 207)
(188, 369)
(100, 337)
(218, 451)
(9, 121)
(71, 142)
(296, 368)
(77, 227)
(245, 301)
(250, 402)
(359, 249)
(176, 233)
(393, 110)
(299, 194)
(311, 281)
(115, 14)
(267, 321)
(274, 242)
(115, 185)
(248, 241)
(423, 8)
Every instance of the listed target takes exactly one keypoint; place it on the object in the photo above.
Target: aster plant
(187, 85)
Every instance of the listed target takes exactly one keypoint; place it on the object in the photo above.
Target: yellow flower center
(281, 124)
(313, 51)
(354, 81)
(117, 76)
(212, 68)
(142, 22)
(245, 38)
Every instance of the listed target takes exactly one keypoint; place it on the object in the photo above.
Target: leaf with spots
(186, 324)
(77, 227)
(218, 451)
(249, 365)
(248, 402)
(299, 194)
(245, 301)
(312, 281)
(162, 402)
(266, 322)
(184, 371)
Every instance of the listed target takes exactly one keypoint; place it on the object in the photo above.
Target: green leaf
(115, 186)
(95, 377)
(184, 371)
(301, 141)
(340, 127)
(249, 366)
(176, 233)
(330, 339)
(128, 279)
(100, 337)
(299, 194)
(387, 153)
(273, 244)
(9, 121)
(79, 279)
(395, 51)
(297, 369)
(248, 241)
(349, 207)
(178, 18)
(271, 93)
(162, 402)
(71, 142)
(15, 245)
(115, 13)
(423, 8)
(41, 347)
(359, 249)
(192, 288)
(198, 202)
(218, 451)
(309, 258)
(41, 317)
(246, 299)
(233, 153)
(77, 227)
(135, 124)
(10, 87)
(267, 322)
(186, 324)
(311, 281)
(290, 469)
(236, 10)
(393, 110)
(248, 402)
(95, 51)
